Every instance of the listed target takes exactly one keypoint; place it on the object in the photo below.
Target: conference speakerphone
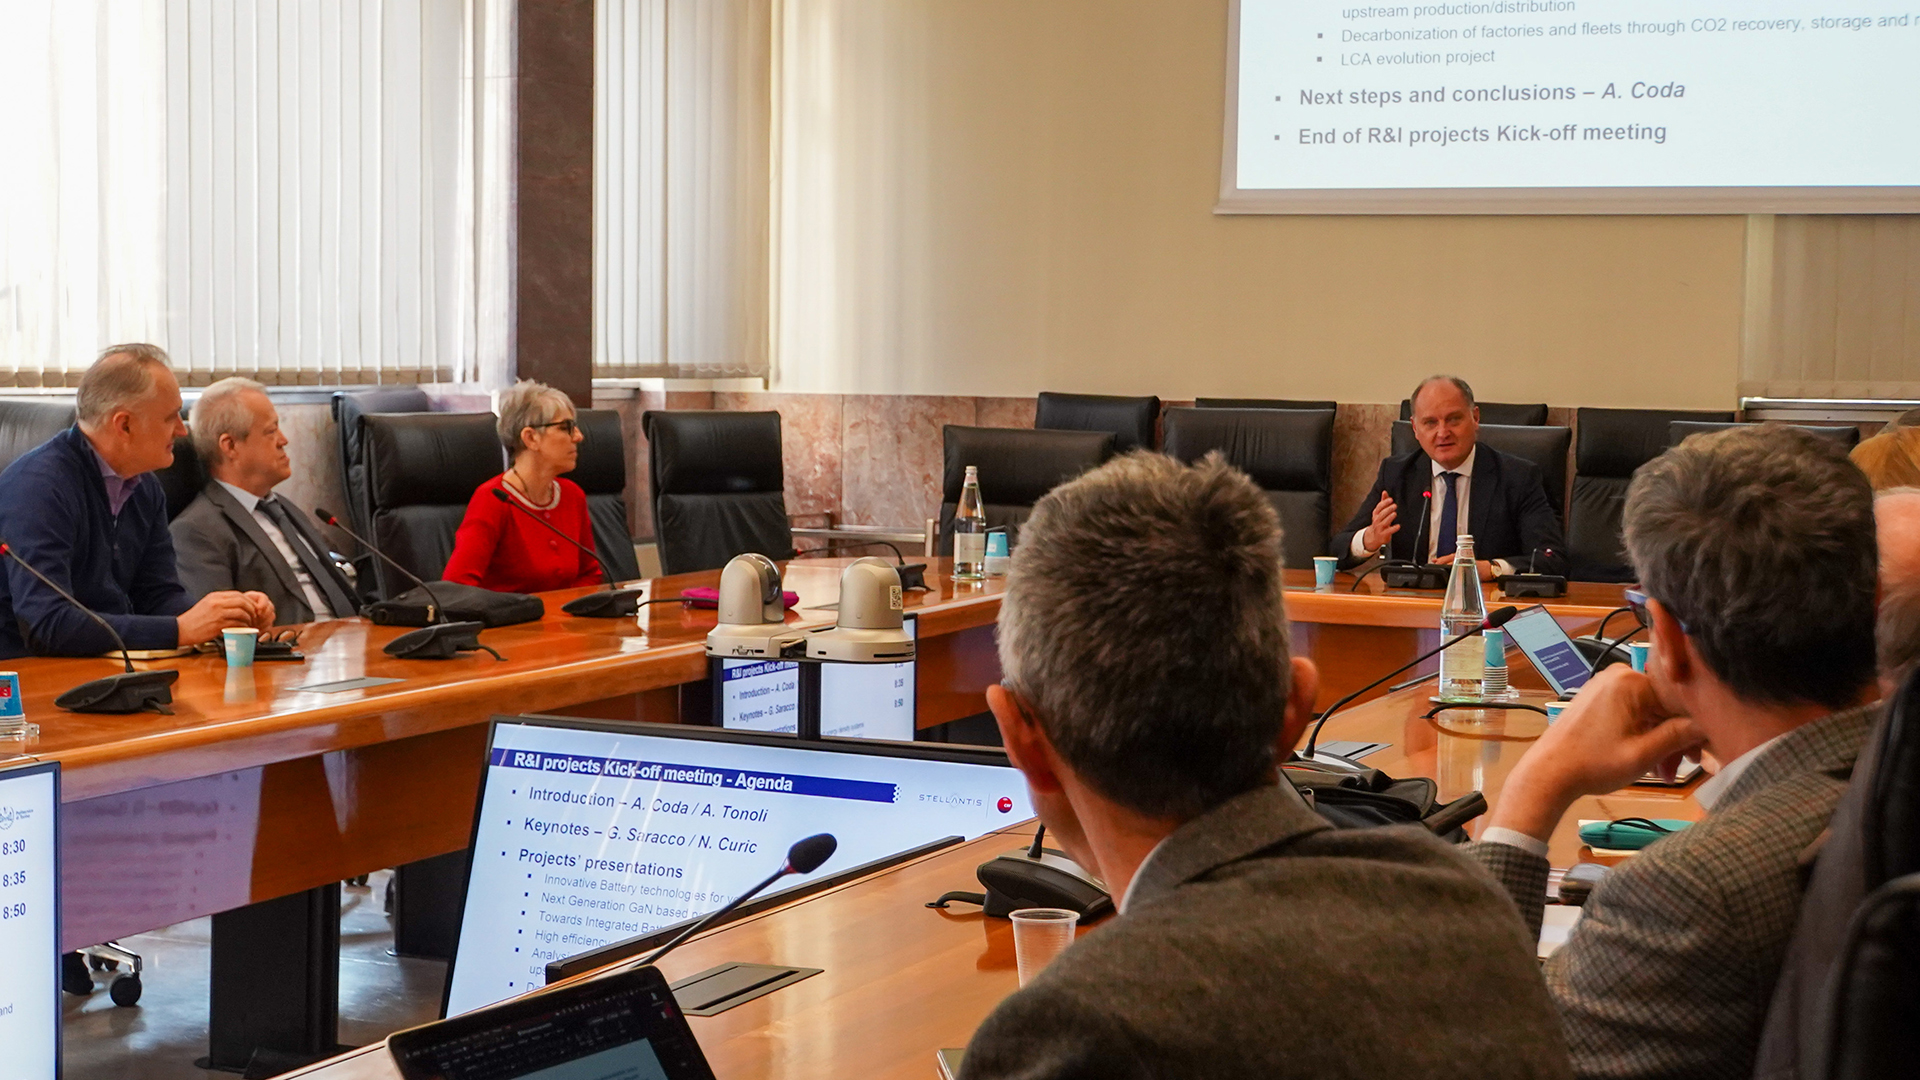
(589, 834)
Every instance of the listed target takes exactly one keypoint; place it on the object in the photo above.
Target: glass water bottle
(1463, 667)
(970, 532)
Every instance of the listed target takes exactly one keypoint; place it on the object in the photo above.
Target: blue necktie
(1443, 544)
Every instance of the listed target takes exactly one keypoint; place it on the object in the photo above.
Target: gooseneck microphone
(804, 857)
(129, 692)
(441, 641)
(614, 602)
(1494, 620)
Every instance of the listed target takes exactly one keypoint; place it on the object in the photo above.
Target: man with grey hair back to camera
(1148, 699)
(1757, 559)
(237, 534)
(84, 509)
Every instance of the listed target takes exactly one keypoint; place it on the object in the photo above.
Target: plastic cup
(13, 716)
(1638, 652)
(1555, 708)
(239, 641)
(1039, 935)
(1323, 570)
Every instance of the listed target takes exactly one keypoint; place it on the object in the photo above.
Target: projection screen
(1572, 106)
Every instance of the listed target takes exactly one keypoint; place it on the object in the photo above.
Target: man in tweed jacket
(1254, 939)
(1756, 550)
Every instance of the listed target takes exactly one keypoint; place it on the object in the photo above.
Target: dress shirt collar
(119, 488)
(248, 500)
(1465, 469)
(1716, 785)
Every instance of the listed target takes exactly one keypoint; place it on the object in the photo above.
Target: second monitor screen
(857, 701)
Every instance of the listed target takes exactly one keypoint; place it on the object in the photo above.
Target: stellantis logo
(1005, 804)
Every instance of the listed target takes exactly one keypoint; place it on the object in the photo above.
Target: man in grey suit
(237, 534)
(1756, 553)
(1254, 939)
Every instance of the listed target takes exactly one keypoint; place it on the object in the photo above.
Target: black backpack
(1364, 798)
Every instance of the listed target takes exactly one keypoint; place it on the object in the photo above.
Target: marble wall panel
(313, 445)
(1362, 436)
(1004, 412)
(892, 456)
(811, 429)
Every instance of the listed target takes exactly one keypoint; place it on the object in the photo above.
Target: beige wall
(998, 197)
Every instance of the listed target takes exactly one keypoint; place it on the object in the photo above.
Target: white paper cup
(1039, 935)
(240, 641)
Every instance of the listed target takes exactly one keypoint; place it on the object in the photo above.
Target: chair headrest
(1019, 465)
(698, 452)
(1131, 419)
(1263, 403)
(1615, 442)
(430, 459)
(602, 467)
(351, 405)
(1496, 412)
(26, 424)
(1282, 449)
(1679, 430)
(183, 480)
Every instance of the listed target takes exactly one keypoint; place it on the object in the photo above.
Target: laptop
(623, 1025)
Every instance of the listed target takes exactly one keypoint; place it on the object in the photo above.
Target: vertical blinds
(267, 187)
(1833, 307)
(682, 174)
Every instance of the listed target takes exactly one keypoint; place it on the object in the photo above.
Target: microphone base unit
(441, 641)
(606, 604)
(1406, 575)
(130, 692)
(1533, 586)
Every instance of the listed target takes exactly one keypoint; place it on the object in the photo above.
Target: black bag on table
(1365, 798)
(458, 603)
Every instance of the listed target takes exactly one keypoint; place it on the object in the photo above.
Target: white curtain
(682, 187)
(1833, 307)
(309, 191)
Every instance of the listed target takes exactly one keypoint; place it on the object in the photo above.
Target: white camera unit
(871, 627)
(752, 613)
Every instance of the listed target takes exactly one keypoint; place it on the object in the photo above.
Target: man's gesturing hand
(1383, 526)
(1614, 732)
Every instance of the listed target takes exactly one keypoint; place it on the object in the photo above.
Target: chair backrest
(1547, 447)
(719, 488)
(1016, 467)
(1609, 445)
(601, 472)
(1263, 403)
(1288, 452)
(183, 480)
(1847, 1003)
(348, 408)
(1844, 434)
(1496, 412)
(26, 424)
(422, 469)
(1131, 419)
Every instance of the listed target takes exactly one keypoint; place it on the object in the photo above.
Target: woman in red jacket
(500, 548)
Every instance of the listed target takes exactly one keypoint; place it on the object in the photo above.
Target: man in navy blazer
(1463, 488)
(83, 509)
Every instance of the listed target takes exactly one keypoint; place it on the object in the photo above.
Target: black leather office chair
(1547, 447)
(1262, 403)
(348, 408)
(1846, 435)
(601, 472)
(1847, 1005)
(1288, 452)
(1496, 412)
(1016, 466)
(183, 480)
(422, 469)
(1132, 420)
(26, 424)
(719, 488)
(1609, 445)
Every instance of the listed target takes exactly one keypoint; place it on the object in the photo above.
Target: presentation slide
(29, 907)
(1335, 95)
(857, 701)
(588, 836)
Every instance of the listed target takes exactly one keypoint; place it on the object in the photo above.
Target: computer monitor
(857, 701)
(30, 920)
(1548, 648)
(607, 830)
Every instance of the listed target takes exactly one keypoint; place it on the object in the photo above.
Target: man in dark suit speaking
(1254, 939)
(1498, 499)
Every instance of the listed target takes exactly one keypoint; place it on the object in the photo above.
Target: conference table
(281, 778)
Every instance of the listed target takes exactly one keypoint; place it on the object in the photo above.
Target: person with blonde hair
(1891, 459)
(500, 548)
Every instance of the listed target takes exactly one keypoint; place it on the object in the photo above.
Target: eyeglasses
(569, 425)
(1637, 600)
